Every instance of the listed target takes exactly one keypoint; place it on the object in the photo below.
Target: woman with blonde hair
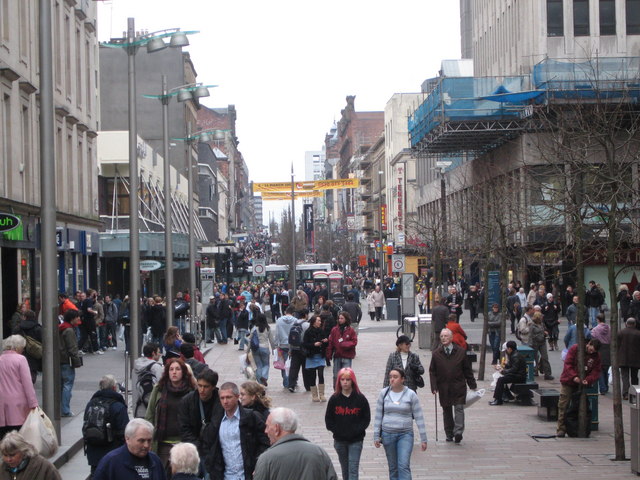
(254, 396)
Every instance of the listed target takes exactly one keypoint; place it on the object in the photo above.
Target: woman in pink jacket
(18, 395)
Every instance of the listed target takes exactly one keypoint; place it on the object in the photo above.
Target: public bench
(547, 399)
(523, 392)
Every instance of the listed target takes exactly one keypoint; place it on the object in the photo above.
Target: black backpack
(571, 415)
(295, 336)
(97, 427)
(145, 384)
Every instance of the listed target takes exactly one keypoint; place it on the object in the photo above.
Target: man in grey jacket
(291, 455)
(283, 326)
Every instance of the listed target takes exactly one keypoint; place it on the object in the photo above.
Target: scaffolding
(474, 115)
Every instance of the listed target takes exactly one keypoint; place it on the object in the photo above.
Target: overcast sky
(287, 65)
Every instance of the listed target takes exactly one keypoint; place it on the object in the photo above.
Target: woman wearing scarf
(175, 383)
(341, 347)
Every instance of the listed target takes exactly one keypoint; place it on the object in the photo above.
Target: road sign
(259, 267)
(397, 263)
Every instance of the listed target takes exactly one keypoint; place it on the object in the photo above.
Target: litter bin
(424, 330)
(634, 403)
(529, 355)
(393, 309)
(407, 324)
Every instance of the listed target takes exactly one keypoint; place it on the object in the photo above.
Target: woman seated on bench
(515, 371)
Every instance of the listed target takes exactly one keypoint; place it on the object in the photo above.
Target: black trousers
(297, 361)
(502, 381)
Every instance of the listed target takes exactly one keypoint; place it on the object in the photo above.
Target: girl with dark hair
(342, 344)
(398, 406)
(164, 403)
(347, 417)
(314, 343)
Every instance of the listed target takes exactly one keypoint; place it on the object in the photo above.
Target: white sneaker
(98, 352)
(113, 348)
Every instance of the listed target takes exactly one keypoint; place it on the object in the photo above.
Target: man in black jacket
(234, 439)
(116, 422)
(515, 371)
(353, 309)
(202, 401)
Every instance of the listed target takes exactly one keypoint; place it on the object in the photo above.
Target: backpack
(145, 383)
(295, 336)
(254, 342)
(571, 416)
(97, 429)
(33, 347)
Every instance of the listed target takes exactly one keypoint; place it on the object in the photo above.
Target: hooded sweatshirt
(348, 417)
(283, 326)
(138, 366)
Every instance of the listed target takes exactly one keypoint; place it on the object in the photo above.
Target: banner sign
(287, 195)
(308, 227)
(300, 186)
(399, 224)
(336, 184)
(383, 217)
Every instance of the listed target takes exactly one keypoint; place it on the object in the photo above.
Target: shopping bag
(147, 337)
(287, 365)
(563, 354)
(496, 376)
(121, 332)
(39, 432)
(473, 396)
(278, 359)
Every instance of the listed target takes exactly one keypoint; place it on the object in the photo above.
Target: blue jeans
(222, 325)
(349, 456)
(593, 311)
(285, 377)
(603, 381)
(398, 447)
(242, 337)
(338, 364)
(68, 376)
(262, 358)
(494, 341)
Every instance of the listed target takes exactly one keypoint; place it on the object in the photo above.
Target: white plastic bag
(287, 366)
(563, 354)
(121, 332)
(473, 396)
(147, 337)
(496, 376)
(39, 432)
(610, 379)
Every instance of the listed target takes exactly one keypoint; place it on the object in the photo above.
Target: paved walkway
(497, 442)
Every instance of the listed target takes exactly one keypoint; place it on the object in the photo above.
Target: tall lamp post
(154, 43)
(191, 91)
(380, 174)
(204, 136)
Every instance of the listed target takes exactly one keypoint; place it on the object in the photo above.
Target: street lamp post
(186, 92)
(293, 235)
(154, 42)
(380, 174)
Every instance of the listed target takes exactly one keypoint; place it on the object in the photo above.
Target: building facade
(76, 123)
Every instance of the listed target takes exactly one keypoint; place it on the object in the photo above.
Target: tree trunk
(485, 326)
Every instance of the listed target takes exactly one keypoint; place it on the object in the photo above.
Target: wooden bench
(547, 399)
(522, 391)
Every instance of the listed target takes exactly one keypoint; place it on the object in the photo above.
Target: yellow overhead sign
(302, 186)
(336, 184)
(287, 195)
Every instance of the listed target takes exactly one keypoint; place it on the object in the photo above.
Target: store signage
(8, 222)
(149, 265)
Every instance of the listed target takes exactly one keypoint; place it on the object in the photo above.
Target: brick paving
(497, 441)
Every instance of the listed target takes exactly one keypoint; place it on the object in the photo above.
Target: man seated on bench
(515, 371)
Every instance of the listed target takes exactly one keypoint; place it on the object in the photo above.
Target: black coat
(412, 371)
(190, 420)
(118, 417)
(311, 336)
(517, 366)
(253, 441)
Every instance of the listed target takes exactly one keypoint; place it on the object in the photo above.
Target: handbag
(39, 432)
(419, 381)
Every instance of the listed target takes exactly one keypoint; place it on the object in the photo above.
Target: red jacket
(66, 305)
(592, 363)
(459, 336)
(342, 344)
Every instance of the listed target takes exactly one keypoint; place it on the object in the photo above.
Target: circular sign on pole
(259, 269)
(397, 263)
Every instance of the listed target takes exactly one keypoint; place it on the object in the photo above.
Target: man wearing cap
(450, 372)
(515, 371)
(406, 360)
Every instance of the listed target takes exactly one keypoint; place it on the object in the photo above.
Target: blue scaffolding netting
(463, 104)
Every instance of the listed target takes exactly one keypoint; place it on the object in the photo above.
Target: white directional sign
(259, 267)
(397, 263)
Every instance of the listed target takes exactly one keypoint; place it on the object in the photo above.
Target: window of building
(607, 17)
(581, 18)
(555, 18)
(633, 17)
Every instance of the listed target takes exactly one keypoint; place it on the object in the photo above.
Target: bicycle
(410, 326)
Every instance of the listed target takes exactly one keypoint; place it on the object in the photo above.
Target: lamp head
(184, 95)
(155, 45)
(179, 39)
(201, 91)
